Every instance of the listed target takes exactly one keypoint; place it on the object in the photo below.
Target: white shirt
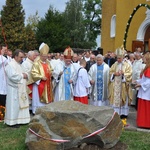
(87, 59)
(137, 67)
(82, 84)
(3, 87)
(144, 90)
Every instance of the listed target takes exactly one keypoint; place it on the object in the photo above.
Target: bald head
(92, 57)
(75, 57)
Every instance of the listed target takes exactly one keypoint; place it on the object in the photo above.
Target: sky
(31, 6)
(42, 6)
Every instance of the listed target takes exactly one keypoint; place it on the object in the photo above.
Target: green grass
(14, 138)
(136, 140)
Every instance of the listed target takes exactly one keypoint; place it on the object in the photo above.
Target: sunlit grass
(14, 138)
(136, 140)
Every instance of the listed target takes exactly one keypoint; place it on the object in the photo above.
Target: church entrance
(136, 44)
(143, 35)
(144, 44)
(147, 39)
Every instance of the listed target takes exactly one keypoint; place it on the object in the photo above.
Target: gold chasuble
(40, 70)
(119, 90)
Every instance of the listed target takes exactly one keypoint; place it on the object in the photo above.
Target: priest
(17, 103)
(99, 77)
(119, 89)
(64, 74)
(42, 76)
(27, 66)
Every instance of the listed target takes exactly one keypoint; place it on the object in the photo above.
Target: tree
(51, 30)
(83, 22)
(92, 20)
(33, 21)
(31, 28)
(13, 23)
(30, 42)
(75, 30)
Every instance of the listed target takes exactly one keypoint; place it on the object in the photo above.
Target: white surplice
(27, 66)
(17, 104)
(76, 66)
(59, 92)
(137, 67)
(54, 63)
(144, 90)
(3, 86)
(93, 76)
(36, 103)
(82, 84)
(9, 59)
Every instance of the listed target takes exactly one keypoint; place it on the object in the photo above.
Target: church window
(113, 26)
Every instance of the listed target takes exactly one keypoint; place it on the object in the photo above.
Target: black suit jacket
(112, 61)
(89, 64)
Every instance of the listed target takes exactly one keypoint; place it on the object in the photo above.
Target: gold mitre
(120, 51)
(68, 53)
(44, 49)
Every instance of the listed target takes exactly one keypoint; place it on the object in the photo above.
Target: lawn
(14, 138)
(136, 140)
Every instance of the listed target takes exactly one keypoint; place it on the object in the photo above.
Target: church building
(127, 23)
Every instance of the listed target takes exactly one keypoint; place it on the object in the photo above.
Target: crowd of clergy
(117, 79)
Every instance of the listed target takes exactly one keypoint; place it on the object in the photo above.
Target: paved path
(131, 121)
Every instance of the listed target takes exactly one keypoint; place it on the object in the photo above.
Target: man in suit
(109, 60)
(90, 62)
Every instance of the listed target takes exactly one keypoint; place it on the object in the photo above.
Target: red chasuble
(47, 82)
(40, 88)
(44, 87)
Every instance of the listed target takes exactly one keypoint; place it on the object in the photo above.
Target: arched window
(113, 26)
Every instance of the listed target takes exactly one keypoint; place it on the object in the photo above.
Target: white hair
(132, 55)
(36, 52)
(138, 54)
(30, 53)
(100, 56)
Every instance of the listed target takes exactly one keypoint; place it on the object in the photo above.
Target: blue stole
(100, 82)
(67, 73)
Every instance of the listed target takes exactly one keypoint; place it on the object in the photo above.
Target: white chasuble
(93, 75)
(17, 104)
